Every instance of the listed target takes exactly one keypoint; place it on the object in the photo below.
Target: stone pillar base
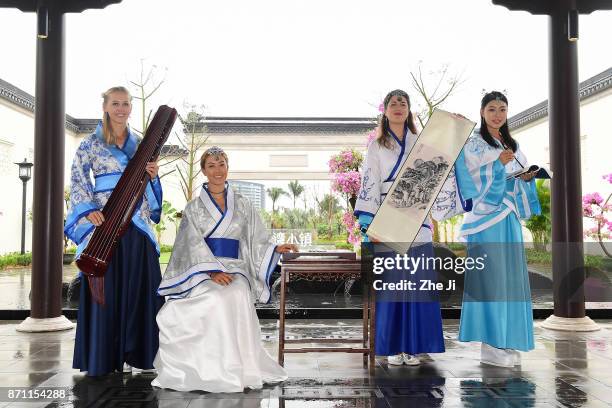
(33, 325)
(574, 324)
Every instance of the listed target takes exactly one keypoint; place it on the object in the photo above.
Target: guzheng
(125, 197)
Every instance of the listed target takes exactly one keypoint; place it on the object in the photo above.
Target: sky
(301, 57)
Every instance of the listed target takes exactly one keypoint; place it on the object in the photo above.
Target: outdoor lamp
(42, 22)
(25, 173)
(572, 25)
(25, 170)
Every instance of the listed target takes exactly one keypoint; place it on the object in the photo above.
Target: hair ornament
(214, 151)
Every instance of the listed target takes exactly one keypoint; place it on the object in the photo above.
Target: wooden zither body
(126, 196)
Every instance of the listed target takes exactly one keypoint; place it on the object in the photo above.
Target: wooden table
(327, 266)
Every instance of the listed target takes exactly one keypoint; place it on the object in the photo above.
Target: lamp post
(25, 174)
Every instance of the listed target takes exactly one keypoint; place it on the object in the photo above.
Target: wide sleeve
(191, 260)
(527, 201)
(487, 173)
(457, 193)
(82, 201)
(155, 199)
(261, 256)
(368, 200)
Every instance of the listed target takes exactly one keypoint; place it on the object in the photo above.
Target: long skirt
(410, 327)
(211, 341)
(496, 305)
(124, 329)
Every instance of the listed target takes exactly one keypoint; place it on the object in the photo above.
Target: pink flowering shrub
(352, 227)
(596, 208)
(346, 160)
(347, 183)
(346, 180)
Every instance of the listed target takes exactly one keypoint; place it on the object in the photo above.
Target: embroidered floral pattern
(366, 186)
(93, 158)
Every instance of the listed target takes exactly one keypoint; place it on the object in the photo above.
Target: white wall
(596, 144)
(252, 162)
(17, 142)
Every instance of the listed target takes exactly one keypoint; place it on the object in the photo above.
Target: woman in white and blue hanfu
(496, 306)
(118, 330)
(210, 338)
(403, 329)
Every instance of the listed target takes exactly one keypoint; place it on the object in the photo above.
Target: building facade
(255, 192)
(530, 129)
(260, 150)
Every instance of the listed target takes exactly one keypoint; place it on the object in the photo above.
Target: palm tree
(275, 193)
(296, 189)
(329, 206)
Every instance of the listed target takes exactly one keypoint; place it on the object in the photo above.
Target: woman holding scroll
(209, 334)
(119, 330)
(496, 306)
(403, 329)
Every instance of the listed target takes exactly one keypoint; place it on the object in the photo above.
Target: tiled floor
(565, 370)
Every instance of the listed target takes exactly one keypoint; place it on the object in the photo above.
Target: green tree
(540, 225)
(168, 213)
(192, 141)
(453, 221)
(329, 207)
(296, 189)
(295, 218)
(146, 86)
(434, 89)
(66, 209)
(275, 193)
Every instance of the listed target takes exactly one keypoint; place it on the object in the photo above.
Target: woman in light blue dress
(496, 308)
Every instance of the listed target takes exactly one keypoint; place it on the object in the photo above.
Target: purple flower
(352, 227)
(347, 183)
(592, 198)
(346, 160)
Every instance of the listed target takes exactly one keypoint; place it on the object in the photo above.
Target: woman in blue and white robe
(496, 306)
(122, 329)
(403, 329)
(221, 264)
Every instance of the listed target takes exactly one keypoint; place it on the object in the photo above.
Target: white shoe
(396, 360)
(411, 360)
(127, 369)
(144, 370)
(496, 357)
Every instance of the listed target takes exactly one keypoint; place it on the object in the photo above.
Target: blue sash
(223, 247)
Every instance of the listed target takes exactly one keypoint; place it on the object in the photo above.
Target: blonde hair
(109, 137)
(214, 152)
